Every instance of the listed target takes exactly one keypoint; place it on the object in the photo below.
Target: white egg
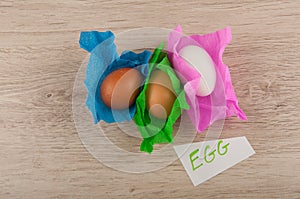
(199, 59)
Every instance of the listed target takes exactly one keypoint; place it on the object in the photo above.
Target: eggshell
(120, 88)
(199, 59)
(160, 95)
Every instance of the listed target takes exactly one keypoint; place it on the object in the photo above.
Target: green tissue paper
(154, 130)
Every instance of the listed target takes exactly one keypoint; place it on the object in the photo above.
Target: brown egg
(160, 95)
(120, 88)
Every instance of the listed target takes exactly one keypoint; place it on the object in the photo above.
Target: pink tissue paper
(222, 102)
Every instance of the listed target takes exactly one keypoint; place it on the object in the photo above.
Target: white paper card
(204, 160)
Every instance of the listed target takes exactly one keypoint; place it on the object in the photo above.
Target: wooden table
(41, 155)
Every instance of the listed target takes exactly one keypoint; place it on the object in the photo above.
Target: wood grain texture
(41, 155)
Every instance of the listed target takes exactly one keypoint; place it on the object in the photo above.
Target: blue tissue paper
(103, 60)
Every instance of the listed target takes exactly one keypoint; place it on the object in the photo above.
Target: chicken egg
(199, 59)
(120, 88)
(160, 95)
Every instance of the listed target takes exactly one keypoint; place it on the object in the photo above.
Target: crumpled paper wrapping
(222, 102)
(103, 60)
(154, 130)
